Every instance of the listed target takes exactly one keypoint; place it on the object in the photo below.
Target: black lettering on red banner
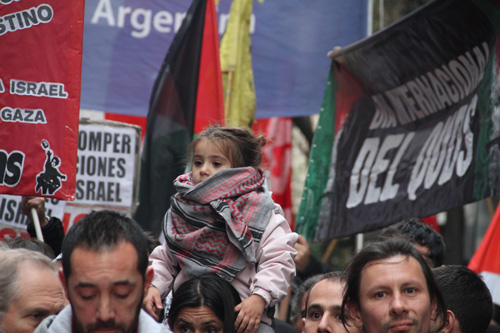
(11, 167)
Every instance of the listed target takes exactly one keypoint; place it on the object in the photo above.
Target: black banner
(419, 131)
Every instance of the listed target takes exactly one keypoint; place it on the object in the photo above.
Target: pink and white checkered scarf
(215, 226)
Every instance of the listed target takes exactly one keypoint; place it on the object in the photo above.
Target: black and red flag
(186, 97)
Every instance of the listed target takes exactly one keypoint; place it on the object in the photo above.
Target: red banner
(40, 75)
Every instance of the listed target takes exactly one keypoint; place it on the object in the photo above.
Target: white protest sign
(12, 220)
(107, 162)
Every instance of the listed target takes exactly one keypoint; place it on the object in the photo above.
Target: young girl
(223, 221)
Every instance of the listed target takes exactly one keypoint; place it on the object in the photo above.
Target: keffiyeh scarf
(215, 226)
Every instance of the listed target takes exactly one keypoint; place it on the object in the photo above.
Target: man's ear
(150, 273)
(354, 312)
(450, 321)
(434, 309)
(63, 281)
(303, 325)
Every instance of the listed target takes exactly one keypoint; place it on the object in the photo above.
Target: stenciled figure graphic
(49, 181)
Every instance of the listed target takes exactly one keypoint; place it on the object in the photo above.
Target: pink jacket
(270, 279)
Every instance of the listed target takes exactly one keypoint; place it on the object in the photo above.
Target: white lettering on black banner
(432, 92)
(370, 163)
(442, 156)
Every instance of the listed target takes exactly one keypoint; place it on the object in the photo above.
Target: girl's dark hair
(237, 144)
(206, 290)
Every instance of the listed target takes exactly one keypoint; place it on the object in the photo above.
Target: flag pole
(36, 223)
(359, 240)
(227, 98)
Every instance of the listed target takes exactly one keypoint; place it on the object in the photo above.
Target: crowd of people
(227, 262)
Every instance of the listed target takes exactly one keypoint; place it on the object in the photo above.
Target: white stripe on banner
(492, 280)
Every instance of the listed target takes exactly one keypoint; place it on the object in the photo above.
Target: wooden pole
(227, 100)
(491, 209)
(329, 250)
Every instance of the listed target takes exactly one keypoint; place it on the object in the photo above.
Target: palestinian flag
(409, 125)
(186, 97)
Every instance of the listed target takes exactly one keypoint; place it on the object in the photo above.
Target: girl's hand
(152, 302)
(250, 313)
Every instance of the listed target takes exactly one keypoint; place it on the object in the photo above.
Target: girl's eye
(197, 163)
(217, 164)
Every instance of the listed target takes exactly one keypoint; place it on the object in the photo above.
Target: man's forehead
(119, 260)
(394, 260)
(397, 270)
(327, 289)
(402, 269)
(123, 248)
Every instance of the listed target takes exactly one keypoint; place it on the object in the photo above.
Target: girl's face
(208, 160)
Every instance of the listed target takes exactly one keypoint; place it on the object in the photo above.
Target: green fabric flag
(319, 163)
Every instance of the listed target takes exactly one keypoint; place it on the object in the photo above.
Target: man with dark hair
(425, 239)
(105, 275)
(467, 297)
(298, 301)
(390, 288)
(324, 306)
(30, 290)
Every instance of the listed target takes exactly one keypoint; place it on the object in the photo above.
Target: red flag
(209, 101)
(486, 260)
(278, 160)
